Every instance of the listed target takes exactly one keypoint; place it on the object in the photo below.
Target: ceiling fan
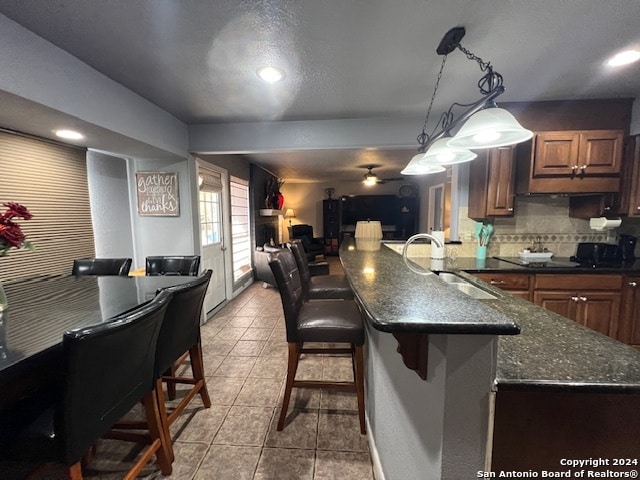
(371, 178)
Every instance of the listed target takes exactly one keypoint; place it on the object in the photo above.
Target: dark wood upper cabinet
(587, 161)
(626, 202)
(491, 184)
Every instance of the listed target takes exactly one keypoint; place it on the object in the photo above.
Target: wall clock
(407, 191)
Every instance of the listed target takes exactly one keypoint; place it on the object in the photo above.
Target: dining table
(41, 309)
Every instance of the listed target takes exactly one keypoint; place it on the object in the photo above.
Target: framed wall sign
(158, 194)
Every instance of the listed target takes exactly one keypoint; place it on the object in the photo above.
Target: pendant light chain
(491, 80)
(423, 137)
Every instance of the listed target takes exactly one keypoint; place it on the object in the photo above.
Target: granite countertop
(397, 299)
(551, 352)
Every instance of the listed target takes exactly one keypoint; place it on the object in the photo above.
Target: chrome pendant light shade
(442, 153)
(490, 128)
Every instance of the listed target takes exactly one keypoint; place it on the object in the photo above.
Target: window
(51, 181)
(210, 226)
(240, 232)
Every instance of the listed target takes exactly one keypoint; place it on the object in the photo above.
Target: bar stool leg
(294, 356)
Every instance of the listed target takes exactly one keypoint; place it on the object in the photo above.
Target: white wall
(110, 210)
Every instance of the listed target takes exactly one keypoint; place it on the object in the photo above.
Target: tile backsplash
(538, 218)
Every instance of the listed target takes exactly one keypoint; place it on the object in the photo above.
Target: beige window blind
(51, 181)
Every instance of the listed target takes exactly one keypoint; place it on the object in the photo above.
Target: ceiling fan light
(370, 179)
(489, 128)
(440, 153)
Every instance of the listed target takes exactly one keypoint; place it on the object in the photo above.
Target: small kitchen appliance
(627, 245)
(596, 254)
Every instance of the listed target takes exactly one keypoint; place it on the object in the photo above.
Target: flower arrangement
(11, 235)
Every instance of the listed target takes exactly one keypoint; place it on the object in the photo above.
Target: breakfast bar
(504, 377)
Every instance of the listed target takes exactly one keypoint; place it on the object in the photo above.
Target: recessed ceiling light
(69, 134)
(624, 58)
(270, 74)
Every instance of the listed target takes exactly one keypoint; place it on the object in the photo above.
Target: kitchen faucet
(418, 236)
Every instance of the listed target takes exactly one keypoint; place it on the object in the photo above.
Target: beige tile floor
(245, 357)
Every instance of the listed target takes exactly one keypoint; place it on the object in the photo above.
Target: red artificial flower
(12, 235)
(16, 210)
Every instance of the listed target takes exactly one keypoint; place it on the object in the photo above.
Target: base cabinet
(516, 284)
(591, 300)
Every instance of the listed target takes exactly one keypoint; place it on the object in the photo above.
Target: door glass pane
(210, 221)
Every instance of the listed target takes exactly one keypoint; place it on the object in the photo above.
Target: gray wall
(110, 212)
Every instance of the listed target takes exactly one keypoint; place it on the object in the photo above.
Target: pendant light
(490, 128)
(442, 153)
(480, 125)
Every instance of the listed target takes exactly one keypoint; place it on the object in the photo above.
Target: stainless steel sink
(451, 278)
(474, 291)
(461, 284)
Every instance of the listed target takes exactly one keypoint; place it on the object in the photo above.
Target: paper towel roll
(437, 252)
(604, 223)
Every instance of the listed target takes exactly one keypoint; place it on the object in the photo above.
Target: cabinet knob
(583, 299)
(583, 167)
(497, 282)
(575, 167)
(510, 209)
(574, 299)
(633, 284)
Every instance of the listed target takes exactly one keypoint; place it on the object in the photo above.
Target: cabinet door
(600, 152)
(628, 200)
(599, 311)
(629, 326)
(501, 182)
(561, 302)
(491, 183)
(556, 153)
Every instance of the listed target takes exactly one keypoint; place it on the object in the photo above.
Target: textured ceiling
(342, 59)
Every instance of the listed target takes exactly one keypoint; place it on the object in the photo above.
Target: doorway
(213, 210)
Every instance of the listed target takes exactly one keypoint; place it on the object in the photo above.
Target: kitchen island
(557, 389)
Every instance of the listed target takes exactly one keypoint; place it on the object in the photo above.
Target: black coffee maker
(627, 244)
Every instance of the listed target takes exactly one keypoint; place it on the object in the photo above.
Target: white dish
(535, 255)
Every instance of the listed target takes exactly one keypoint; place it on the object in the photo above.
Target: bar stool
(329, 321)
(319, 286)
(101, 266)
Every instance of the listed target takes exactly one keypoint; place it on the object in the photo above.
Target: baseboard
(375, 458)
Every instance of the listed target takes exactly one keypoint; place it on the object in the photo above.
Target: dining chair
(319, 286)
(172, 265)
(328, 322)
(101, 266)
(180, 338)
(107, 370)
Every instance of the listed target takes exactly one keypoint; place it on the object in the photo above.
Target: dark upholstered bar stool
(319, 286)
(329, 321)
(173, 265)
(101, 266)
(180, 337)
(108, 369)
